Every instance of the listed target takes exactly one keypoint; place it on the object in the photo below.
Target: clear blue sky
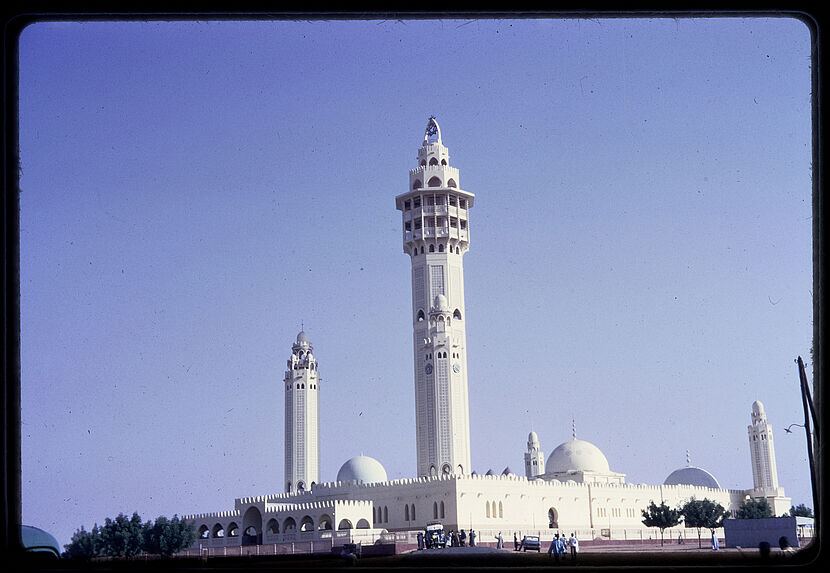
(193, 192)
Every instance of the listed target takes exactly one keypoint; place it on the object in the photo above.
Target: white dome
(362, 468)
(577, 455)
(441, 302)
(302, 336)
(692, 476)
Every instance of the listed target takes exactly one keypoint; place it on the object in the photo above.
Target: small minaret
(534, 457)
(762, 452)
(302, 421)
(435, 232)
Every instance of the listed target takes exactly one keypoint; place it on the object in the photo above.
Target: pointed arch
(417, 184)
(434, 182)
(451, 183)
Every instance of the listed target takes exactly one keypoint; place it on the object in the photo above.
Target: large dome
(577, 455)
(692, 476)
(362, 468)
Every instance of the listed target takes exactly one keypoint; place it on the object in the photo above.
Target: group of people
(560, 545)
(440, 539)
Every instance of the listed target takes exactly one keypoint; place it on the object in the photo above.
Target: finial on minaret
(573, 428)
(688, 460)
(432, 130)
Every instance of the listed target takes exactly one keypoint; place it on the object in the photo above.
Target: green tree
(84, 544)
(168, 536)
(800, 510)
(754, 509)
(661, 516)
(703, 513)
(123, 537)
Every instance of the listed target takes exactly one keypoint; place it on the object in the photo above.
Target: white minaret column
(436, 234)
(302, 420)
(762, 452)
(534, 457)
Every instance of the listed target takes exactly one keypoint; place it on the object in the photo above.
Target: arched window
(435, 510)
(457, 251)
(218, 530)
(493, 508)
(487, 506)
(417, 184)
(434, 182)
(307, 524)
(423, 162)
(441, 248)
(344, 524)
(422, 249)
(412, 512)
(501, 510)
(451, 183)
(288, 487)
(432, 248)
(385, 514)
(204, 532)
(433, 161)
(406, 512)
(420, 315)
(273, 526)
(442, 510)
(456, 314)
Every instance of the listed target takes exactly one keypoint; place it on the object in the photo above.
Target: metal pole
(808, 403)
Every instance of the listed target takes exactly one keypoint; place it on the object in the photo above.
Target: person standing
(715, 544)
(515, 542)
(573, 542)
(472, 538)
(499, 541)
(420, 541)
(462, 538)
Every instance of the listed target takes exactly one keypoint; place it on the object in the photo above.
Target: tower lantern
(436, 234)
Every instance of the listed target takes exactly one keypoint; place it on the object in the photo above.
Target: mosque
(574, 490)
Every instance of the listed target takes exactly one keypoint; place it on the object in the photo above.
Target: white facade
(435, 220)
(302, 417)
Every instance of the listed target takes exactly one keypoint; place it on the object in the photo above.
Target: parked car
(531, 542)
(39, 543)
(434, 536)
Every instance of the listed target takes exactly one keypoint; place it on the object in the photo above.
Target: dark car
(531, 542)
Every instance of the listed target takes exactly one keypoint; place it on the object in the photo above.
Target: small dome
(302, 337)
(362, 468)
(692, 476)
(441, 302)
(757, 407)
(576, 455)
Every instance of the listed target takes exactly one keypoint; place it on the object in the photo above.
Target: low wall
(751, 532)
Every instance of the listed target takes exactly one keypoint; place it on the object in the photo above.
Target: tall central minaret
(302, 417)
(762, 451)
(436, 234)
